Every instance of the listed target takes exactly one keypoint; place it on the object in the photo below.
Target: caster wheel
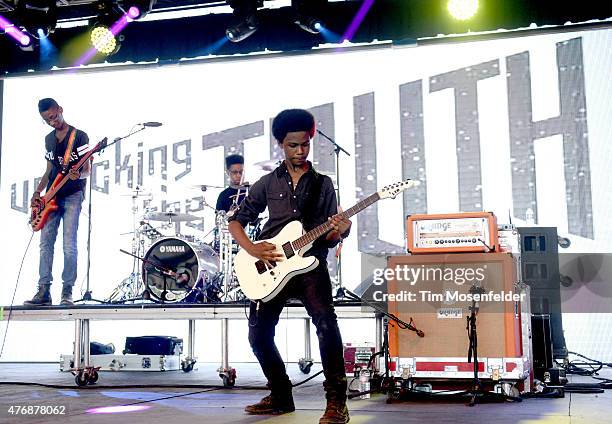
(305, 367)
(93, 377)
(80, 379)
(228, 381)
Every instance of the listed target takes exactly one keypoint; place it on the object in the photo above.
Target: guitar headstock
(393, 190)
(101, 145)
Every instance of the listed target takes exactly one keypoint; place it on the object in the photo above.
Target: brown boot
(271, 405)
(335, 413)
(42, 297)
(66, 296)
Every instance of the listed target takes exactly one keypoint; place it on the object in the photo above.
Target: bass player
(64, 146)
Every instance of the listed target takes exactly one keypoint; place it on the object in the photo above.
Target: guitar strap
(313, 197)
(66, 161)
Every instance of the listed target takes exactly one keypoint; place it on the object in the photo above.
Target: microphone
(151, 124)
(182, 278)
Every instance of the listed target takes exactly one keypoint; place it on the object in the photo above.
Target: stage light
(103, 40)
(243, 29)
(136, 9)
(462, 9)
(25, 40)
(117, 409)
(105, 35)
(244, 19)
(133, 12)
(306, 14)
(35, 15)
(11, 30)
(309, 24)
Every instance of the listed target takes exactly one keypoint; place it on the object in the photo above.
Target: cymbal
(204, 187)
(170, 216)
(267, 165)
(137, 192)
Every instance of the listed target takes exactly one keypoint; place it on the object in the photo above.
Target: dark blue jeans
(68, 211)
(313, 289)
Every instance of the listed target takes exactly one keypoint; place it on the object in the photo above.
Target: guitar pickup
(288, 250)
(261, 267)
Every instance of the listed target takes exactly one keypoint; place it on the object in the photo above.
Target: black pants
(313, 289)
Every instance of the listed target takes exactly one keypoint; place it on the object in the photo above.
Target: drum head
(194, 266)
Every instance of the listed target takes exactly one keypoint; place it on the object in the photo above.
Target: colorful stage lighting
(14, 32)
(103, 40)
(309, 24)
(117, 409)
(133, 12)
(462, 9)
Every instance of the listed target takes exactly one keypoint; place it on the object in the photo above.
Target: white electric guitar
(259, 281)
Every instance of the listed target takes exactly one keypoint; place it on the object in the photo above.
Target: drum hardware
(181, 276)
(138, 191)
(170, 216)
(130, 287)
(149, 231)
(227, 248)
(267, 165)
(226, 253)
(204, 187)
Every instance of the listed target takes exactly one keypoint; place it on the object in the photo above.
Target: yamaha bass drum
(178, 270)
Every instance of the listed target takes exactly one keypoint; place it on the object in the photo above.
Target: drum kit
(171, 267)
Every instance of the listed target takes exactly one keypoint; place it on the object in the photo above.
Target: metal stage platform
(83, 314)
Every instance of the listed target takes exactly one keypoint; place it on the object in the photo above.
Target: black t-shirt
(224, 201)
(55, 154)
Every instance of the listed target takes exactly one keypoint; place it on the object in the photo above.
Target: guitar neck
(317, 232)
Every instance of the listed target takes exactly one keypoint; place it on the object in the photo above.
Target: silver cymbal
(267, 165)
(170, 216)
(136, 192)
(204, 187)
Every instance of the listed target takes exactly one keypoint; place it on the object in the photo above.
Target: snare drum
(175, 269)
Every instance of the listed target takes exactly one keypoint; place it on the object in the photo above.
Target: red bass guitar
(40, 212)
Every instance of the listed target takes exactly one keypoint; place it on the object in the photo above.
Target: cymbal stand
(132, 286)
(226, 255)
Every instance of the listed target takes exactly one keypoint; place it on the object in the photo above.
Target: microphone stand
(478, 392)
(387, 384)
(337, 149)
(87, 295)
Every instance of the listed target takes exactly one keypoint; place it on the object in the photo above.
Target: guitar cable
(8, 319)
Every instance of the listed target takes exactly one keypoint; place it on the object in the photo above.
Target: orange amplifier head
(449, 233)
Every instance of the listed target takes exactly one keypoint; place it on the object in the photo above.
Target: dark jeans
(313, 289)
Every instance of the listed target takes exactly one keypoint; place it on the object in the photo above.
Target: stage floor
(181, 404)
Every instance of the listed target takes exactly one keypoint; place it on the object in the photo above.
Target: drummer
(232, 197)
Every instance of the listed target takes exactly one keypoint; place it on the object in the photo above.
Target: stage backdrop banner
(517, 126)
